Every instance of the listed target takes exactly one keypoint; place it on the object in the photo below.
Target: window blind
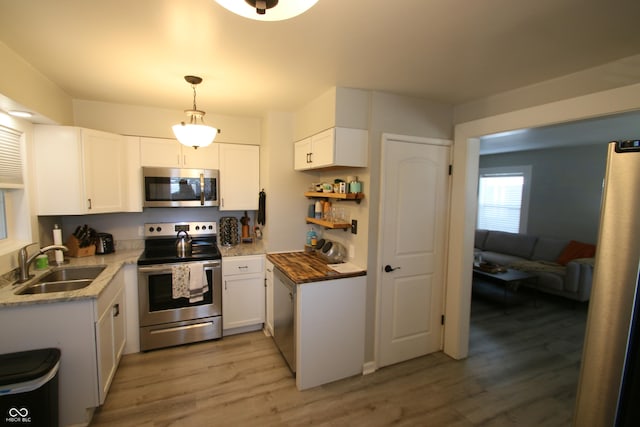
(10, 159)
(500, 202)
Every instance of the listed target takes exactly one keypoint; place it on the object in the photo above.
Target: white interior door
(413, 220)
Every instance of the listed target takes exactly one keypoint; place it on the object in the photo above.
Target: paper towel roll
(57, 240)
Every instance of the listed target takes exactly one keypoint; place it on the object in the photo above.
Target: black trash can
(29, 388)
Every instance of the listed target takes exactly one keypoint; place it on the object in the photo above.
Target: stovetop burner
(160, 242)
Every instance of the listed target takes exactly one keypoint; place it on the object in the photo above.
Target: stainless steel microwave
(176, 187)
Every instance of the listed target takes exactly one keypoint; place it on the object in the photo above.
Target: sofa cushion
(576, 250)
(520, 245)
(548, 249)
(481, 236)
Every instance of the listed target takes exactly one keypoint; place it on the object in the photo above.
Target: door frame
(463, 205)
(386, 137)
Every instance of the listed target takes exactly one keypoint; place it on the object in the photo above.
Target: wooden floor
(522, 371)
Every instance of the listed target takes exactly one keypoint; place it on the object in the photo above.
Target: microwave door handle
(201, 189)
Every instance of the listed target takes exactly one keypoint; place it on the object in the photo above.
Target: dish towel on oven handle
(198, 285)
(188, 281)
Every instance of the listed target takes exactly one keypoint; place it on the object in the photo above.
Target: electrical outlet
(354, 226)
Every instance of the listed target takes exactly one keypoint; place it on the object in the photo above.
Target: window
(10, 172)
(503, 198)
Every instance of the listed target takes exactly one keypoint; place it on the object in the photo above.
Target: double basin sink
(63, 279)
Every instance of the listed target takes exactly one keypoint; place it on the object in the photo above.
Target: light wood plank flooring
(522, 371)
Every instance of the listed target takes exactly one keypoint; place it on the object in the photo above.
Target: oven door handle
(161, 269)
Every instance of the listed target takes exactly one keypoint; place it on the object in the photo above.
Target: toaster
(104, 243)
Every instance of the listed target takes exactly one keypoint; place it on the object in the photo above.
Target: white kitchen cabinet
(239, 177)
(329, 330)
(165, 152)
(332, 147)
(79, 171)
(269, 296)
(110, 332)
(243, 293)
(90, 345)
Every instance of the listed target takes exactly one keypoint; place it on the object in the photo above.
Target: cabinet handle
(225, 285)
(89, 200)
(116, 310)
(243, 266)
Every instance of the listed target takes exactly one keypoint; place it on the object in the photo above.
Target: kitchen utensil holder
(73, 244)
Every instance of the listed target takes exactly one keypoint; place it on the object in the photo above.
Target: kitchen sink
(63, 280)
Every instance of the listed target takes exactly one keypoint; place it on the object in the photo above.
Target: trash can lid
(27, 365)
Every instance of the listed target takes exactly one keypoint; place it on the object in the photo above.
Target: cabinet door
(58, 162)
(322, 148)
(201, 158)
(242, 300)
(106, 355)
(160, 152)
(104, 170)
(118, 312)
(239, 177)
(302, 154)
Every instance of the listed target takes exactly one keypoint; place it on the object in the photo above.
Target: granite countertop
(304, 267)
(241, 249)
(113, 263)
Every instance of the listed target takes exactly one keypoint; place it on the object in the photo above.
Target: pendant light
(194, 134)
(267, 10)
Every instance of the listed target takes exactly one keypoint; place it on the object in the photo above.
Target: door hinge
(450, 169)
(442, 319)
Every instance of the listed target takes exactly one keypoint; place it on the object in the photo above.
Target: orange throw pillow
(576, 250)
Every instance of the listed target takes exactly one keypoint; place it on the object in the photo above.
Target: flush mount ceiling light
(193, 134)
(267, 10)
(21, 114)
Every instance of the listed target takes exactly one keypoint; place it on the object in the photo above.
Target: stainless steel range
(179, 292)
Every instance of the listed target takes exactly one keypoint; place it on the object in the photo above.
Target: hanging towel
(262, 206)
(198, 285)
(180, 281)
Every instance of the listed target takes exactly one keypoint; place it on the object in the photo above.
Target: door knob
(388, 268)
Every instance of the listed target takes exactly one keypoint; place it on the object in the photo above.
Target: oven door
(172, 187)
(156, 304)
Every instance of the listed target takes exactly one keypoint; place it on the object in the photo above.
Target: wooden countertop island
(328, 316)
(303, 267)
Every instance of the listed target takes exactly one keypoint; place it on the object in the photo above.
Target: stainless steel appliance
(104, 243)
(284, 309)
(609, 385)
(174, 187)
(166, 320)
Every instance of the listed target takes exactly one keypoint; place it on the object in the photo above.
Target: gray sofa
(539, 256)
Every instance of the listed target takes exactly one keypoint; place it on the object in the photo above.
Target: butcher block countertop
(304, 267)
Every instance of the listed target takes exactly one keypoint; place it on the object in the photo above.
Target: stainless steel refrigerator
(609, 386)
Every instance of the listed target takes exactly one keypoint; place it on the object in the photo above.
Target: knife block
(76, 251)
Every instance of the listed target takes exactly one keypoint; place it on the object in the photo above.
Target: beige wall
(157, 122)
(25, 85)
(612, 75)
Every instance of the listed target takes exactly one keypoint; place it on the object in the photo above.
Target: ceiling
(448, 51)
(594, 131)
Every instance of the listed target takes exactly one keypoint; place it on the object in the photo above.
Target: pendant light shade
(267, 10)
(194, 134)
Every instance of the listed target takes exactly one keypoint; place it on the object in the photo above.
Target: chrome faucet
(24, 261)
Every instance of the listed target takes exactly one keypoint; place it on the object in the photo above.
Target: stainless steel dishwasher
(284, 309)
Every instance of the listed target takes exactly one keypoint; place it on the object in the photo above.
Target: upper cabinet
(163, 152)
(332, 147)
(239, 177)
(78, 171)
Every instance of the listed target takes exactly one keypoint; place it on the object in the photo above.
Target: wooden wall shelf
(337, 196)
(329, 224)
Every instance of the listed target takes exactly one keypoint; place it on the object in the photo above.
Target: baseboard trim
(369, 368)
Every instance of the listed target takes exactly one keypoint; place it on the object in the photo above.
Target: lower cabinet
(110, 332)
(243, 293)
(90, 335)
